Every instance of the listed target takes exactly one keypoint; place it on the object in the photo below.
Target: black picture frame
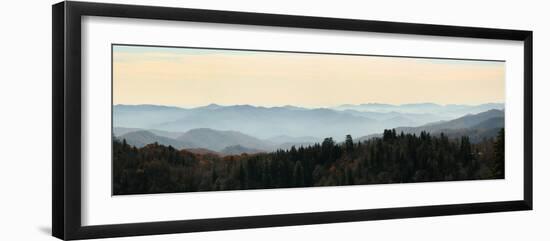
(66, 76)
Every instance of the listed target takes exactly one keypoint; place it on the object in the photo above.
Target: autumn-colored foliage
(393, 158)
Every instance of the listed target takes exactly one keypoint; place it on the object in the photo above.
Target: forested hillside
(393, 158)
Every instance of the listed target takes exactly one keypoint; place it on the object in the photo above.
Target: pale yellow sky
(196, 77)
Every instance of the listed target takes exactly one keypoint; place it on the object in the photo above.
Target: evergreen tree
(349, 144)
(393, 158)
(298, 174)
(498, 167)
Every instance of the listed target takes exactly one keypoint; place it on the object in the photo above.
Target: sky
(191, 77)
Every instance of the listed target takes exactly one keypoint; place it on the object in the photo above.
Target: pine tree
(349, 144)
(498, 167)
(298, 174)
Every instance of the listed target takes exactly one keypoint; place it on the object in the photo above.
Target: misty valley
(162, 149)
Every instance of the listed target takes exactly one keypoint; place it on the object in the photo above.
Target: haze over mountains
(204, 140)
(251, 129)
(450, 111)
(264, 123)
(477, 127)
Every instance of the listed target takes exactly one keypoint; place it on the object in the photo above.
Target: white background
(25, 99)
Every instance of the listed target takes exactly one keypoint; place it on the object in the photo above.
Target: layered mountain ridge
(270, 122)
(262, 129)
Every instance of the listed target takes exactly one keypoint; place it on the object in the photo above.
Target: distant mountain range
(204, 140)
(211, 141)
(478, 126)
(219, 140)
(484, 119)
(423, 108)
(274, 122)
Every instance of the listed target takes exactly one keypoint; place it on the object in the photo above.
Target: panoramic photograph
(187, 119)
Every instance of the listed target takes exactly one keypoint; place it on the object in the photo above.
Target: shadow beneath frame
(45, 230)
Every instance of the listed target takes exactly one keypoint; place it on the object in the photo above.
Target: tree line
(392, 158)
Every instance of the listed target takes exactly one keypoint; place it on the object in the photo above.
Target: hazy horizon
(193, 77)
(307, 107)
(266, 122)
